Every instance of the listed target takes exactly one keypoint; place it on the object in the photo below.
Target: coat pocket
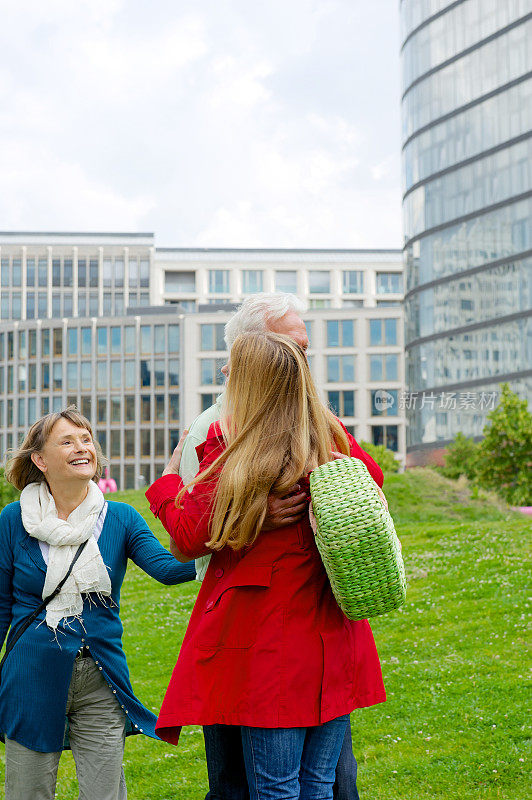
(235, 610)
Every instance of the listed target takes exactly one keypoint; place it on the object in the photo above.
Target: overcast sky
(209, 122)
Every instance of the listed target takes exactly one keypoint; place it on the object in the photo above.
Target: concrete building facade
(141, 365)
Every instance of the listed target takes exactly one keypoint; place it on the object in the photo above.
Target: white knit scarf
(39, 517)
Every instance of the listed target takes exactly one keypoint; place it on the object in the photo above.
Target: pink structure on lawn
(107, 484)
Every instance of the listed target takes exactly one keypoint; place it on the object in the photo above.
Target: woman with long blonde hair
(267, 647)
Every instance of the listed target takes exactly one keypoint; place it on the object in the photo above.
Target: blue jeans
(292, 763)
(227, 772)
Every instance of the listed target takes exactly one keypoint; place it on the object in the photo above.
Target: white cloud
(222, 123)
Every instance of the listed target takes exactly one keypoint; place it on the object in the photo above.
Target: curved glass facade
(467, 170)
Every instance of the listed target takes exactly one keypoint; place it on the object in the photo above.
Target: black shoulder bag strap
(33, 616)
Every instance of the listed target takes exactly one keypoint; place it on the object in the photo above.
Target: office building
(135, 339)
(467, 168)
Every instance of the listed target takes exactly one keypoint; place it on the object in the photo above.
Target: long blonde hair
(276, 429)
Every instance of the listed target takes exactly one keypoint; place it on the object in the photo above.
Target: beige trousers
(97, 734)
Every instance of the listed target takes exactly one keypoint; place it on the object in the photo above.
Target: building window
(159, 442)
(82, 305)
(158, 373)
(384, 403)
(45, 378)
(286, 281)
(115, 409)
(146, 339)
(115, 444)
(342, 403)
(42, 271)
(173, 339)
(133, 271)
(72, 376)
(386, 435)
(145, 450)
(130, 409)
(160, 412)
(102, 409)
(252, 281)
(319, 281)
(86, 376)
(116, 374)
(67, 273)
(93, 304)
(340, 333)
(210, 371)
(107, 305)
(145, 409)
(93, 273)
(57, 373)
(116, 340)
(353, 281)
(72, 341)
(159, 337)
(383, 331)
(173, 372)
(219, 281)
(56, 272)
(383, 367)
(86, 341)
(101, 335)
(58, 341)
(212, 337)
(340, 369)
(129, 339)
(82, 273)
(144, 272)
(145, 373)
(129, 443)
(322, 303)
(173, 401)
(129, 374)
(207, 400)
(389, 283)
(180, 281)
(101, 376)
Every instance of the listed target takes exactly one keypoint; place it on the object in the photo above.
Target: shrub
(504, 461)
(8, 493)
(384, 457)
(461, 458)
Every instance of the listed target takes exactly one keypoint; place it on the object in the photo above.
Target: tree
(461, 458)
(384, 457)
(504, 461)
(8, 493)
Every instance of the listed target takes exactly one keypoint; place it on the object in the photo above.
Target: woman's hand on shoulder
(172, 468)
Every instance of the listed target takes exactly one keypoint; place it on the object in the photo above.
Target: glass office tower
(467, 170)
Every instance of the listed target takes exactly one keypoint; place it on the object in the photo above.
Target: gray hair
(257, 309)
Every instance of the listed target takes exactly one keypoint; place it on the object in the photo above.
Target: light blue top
(189, 464)
(36, 674)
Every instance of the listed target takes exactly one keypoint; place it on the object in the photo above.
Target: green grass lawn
(454, 660)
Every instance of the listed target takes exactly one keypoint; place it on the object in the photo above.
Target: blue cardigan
(37, 673)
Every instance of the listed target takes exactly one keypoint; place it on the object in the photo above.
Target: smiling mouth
(79, 462)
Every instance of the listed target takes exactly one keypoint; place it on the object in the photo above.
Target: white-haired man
(279, 313)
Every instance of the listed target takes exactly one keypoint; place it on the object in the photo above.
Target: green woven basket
(356, 539)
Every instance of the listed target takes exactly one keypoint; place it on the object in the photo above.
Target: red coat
(266, 644)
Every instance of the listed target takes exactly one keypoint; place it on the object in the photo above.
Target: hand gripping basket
(356, 539)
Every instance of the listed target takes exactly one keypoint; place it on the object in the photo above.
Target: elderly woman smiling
(66, 679)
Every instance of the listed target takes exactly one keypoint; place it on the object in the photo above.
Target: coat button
(153, 508)
(209, 605)
(219, 573)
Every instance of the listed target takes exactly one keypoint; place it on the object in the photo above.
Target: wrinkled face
(68, 454)
(290, 325)
(293, 326)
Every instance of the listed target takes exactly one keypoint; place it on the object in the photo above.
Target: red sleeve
(189, 525)
(356, 451)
